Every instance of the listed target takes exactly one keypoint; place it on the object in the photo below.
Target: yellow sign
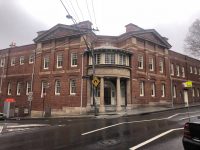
(95, 81)
(188, 84)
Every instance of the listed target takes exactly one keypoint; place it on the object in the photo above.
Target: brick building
(135, 68)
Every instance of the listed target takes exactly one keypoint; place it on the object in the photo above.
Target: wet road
(146, 131)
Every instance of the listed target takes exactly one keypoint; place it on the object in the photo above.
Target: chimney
(85, 25)
(13, 44)
(132, 27)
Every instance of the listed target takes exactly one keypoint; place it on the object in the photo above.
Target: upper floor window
(195, 70)
(59, 61)
(2, 62)
(19, 86)
(177, 71)
(172, 69)
(31, 59)
(122, 59)
(191, 71)
(28, 87)
(57, 87)
(72, 87)
(161, 66)
(141, 84)
(151, 64)
(153, 89)
(46, 62)
(73, 59)
(198, 92)
(174, 91)
(12, 63)
(9, 88)
(162, 90)
(193, 92)
(109, 58)
(183, 72)
(97, 58)
(140, 62)
(21, 60)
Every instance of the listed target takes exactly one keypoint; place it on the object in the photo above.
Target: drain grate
(110, 142)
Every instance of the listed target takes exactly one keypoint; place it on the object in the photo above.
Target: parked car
(191, 137)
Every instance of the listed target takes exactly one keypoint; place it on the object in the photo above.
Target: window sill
(72, 94)
(57, 94)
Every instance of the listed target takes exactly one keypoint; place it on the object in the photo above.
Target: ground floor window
(72, 87)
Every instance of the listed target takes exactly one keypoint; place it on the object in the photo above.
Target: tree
(192, 40)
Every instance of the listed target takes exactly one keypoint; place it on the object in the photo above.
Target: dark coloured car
(2, 117)
(191, 137)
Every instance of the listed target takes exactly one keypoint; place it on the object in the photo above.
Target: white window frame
(191, 69)
(28, 87)
(122, 59)
(72, 87)
(21, 60)
(19, 88)
(163, 90)
(3, 60)
(178, 70)
(161, 66)
(31, 59)
(13, 61)
(195, 70)
(174, 91)
(9, 92)
(44, 86)
(74, 59)
(110, 58)
(151, 64)
(46, 62)
(172, 69)
(140, 62)
(97, 58)
(59, 61)
(57, 87)
(193, 92)
(183, 72)
(198, 93)
(141, 84)
(153, 89)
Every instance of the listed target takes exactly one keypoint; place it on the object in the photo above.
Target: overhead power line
(80, 10)
(88, 10)
(94, 14)
(74, 11)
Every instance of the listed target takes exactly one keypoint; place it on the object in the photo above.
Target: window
(151, 64)
(153, 90)
(199, 71)
(172, 69)
(193, 92)
(21, 60)
(45, 85)
(59, 61)
(177, 71)
(46, 62)
(28, 87)
(2, 62)
(161, 65)
(195, 70)
(197, 92)
(97, 58)
(19, 86)
(191, 69)
(12, 61)
(122, 59)
(140, 62)
(72, 87)
(31, 59)
(162, 90)
(141, 88)
(9, 88)
(57, 87)
(183, 72)
(109, 58)
(73, 59)
(174, 91)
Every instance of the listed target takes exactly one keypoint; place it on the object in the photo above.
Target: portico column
(128, 94)
(102, 107)
(119, 108)
(88, 107)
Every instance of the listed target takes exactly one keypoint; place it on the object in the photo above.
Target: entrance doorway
(186, 97)
(107, 95)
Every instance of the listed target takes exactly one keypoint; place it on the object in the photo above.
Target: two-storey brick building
(135, 68)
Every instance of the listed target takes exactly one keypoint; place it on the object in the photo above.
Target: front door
(186, 97)
(107, 95)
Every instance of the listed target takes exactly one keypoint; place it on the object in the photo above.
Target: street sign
(95, 81)
(187, 84)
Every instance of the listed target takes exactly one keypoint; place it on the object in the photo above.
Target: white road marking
(27, 125)
(1, 128)
(154, 138)
(103, 128)
(189, 117)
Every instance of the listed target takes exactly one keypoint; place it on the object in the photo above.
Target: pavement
(136, 111)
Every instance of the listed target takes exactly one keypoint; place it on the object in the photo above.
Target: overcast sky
(21, 19)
